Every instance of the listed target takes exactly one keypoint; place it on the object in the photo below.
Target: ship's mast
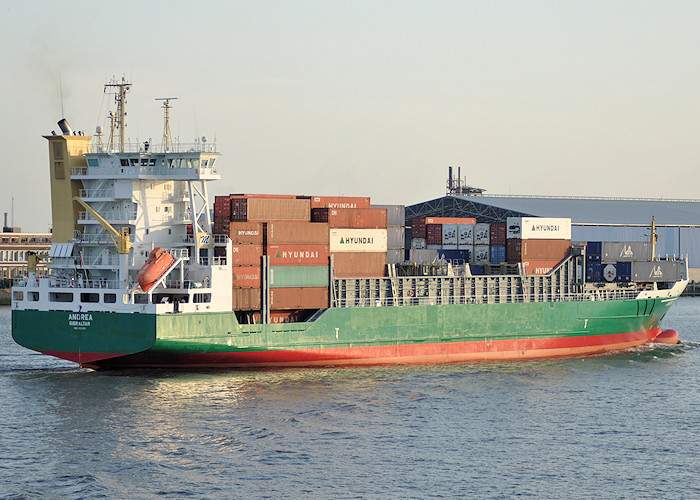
(120, 90)
(653, 237)
(110, 141)
(166, 121)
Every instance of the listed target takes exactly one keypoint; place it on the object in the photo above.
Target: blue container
(453, 255)
(594, 272)
(624, 272)
(476, 269)
(594, 250)
(497, 254)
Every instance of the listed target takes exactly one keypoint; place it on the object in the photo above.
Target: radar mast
(167, 146)
(118, 121)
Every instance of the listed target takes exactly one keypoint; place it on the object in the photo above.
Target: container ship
(145, 272)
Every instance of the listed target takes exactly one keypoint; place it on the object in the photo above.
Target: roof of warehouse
(599, 210)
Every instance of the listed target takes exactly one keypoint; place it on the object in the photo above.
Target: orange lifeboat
(157, 263)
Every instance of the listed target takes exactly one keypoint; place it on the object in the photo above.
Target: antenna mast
(120, 90)
(166, 121)
(653, 237)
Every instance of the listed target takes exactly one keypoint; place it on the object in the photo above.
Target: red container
(359, 218)
(539, 267)
(450, 220)
(222, 201)
(298, 255)
(221, 228)
(269, 209)
(246, 299)
(277, 317)
(265, 196)
(239, 209)
(247, 233)
(222, 208)
(296, 232)
(339, 202)
(221, 216)
(246, 277)
(298, 298)
(518, 250)
(246, 255)
(433, 234)
(363, 264)
(497, 235)
(418, 228)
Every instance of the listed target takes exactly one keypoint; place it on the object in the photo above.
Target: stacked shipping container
(538, 243)
(360, 251)
(448, 238)
(626, 261)
(299, 234)
(396, 232)
(540, 246)
(537, 256)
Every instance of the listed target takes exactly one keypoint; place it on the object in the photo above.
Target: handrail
(487, 299)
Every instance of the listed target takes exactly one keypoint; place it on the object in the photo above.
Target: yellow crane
(122, 241)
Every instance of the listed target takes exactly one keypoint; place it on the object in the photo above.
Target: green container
(298, 276)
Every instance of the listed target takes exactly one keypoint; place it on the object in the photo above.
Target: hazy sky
(369, 98)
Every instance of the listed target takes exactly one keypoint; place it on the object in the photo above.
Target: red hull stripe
(445, 352)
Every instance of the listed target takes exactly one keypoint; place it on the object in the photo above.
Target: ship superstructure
(151, 195)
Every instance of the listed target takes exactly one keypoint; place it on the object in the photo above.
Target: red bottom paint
(83, 357)
(669, 336)
(445, 352)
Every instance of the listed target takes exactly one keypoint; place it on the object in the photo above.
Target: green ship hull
(344, 336)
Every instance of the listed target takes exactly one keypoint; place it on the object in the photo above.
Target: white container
(358, 240)
(418, 243)
(465, 235)
(395, 214)
(423, 255)
(433, 247)
(394, 256)
(449, 236)
(538, 228)
(481, 233)
(470, 250)
(481, 253)
(395, 237)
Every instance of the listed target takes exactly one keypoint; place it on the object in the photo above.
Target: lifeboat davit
(157, 263)
(669, 336)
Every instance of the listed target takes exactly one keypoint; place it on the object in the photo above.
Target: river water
(614, 426)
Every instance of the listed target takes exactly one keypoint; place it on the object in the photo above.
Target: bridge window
(90, 297)
(33, 296)
(61, 297)
(110, 298)
(202, 298)
(93, 162)
(124, 162)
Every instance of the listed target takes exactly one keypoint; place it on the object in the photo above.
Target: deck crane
(121, 240)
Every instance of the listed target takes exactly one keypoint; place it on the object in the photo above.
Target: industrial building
(14, 247)
(592, 219)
